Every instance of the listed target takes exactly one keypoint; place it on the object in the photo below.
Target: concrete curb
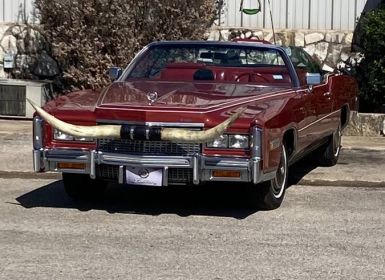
(29, 175)
(341, 183)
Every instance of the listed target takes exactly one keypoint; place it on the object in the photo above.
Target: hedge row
(88, 36)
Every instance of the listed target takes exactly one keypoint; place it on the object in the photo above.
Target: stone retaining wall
(329, 47)
(366, 125)
(28, 47)
(31, 57)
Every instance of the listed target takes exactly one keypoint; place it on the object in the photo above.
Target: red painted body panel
(312, 115)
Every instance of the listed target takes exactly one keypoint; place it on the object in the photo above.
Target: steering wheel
(258, 75)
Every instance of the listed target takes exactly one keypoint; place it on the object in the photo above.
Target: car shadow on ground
(220, 199)
(300, 169)
(210, 200)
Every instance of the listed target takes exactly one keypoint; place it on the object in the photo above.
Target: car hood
(179, 95)
(180, 102)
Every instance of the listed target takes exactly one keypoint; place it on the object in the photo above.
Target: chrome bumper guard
(202, 166)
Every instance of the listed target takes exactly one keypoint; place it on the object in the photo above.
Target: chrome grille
(180, 176)
(123, 146)
(109, 172)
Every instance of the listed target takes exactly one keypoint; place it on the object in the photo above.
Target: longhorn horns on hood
(123, 131)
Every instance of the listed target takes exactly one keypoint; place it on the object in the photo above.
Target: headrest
(203, 75)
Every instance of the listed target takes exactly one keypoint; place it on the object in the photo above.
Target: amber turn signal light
(226, 174)
(71, 165)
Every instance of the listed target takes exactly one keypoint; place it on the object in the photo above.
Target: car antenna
(272, 22)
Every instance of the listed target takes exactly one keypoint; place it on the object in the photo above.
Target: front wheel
(81, 186)
(270, 194)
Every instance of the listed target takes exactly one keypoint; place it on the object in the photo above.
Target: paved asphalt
(318, 233)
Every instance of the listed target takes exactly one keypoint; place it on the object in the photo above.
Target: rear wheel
(81, 186)
(328, 155)
(270, 194)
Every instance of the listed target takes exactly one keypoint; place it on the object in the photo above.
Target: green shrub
(371, 70)
(88, 36)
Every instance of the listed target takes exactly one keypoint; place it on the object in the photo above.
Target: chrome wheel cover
(279, 182)
(337, 141)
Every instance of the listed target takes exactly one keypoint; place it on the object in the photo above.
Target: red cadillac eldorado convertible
(189, 113)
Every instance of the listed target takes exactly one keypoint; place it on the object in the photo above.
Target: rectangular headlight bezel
(228, 146)
(60, 136)
(244, 137)
(222, 142)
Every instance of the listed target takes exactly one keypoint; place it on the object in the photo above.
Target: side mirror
(313, 79)
(114, 72)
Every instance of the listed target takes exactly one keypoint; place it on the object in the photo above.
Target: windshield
(226, 63)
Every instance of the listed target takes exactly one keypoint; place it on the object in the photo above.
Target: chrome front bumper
(201, 166)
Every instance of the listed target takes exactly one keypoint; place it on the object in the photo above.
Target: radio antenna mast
(272, 23)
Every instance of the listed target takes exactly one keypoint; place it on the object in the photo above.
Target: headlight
(58, 135)
(238, 141)
(230, 141)
(84, 139)
(221, 142)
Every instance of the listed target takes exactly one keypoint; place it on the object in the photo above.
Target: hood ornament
(152, 97)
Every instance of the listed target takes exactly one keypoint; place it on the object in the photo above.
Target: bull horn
(120, 131)
(100, 131)
(189, 136)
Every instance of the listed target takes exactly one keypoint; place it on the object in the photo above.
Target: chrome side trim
(92, 165)
(121, 174)
(256, 155)
(148, 161)
(258, 176)
(158, 124)
(38, 133)
(268, 176)
(317, 121)
(256, 141)
(256, 171)
(225, 163)
(165, 176)
(37, 160)
(68, 155)
(196, 169)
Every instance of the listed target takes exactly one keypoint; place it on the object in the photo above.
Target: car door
(320, 103)
(323, 106)
(306, 116)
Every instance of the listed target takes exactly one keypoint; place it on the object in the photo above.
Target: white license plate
(144, 176)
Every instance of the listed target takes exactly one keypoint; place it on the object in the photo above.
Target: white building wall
(17, 11)
(339, 15)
